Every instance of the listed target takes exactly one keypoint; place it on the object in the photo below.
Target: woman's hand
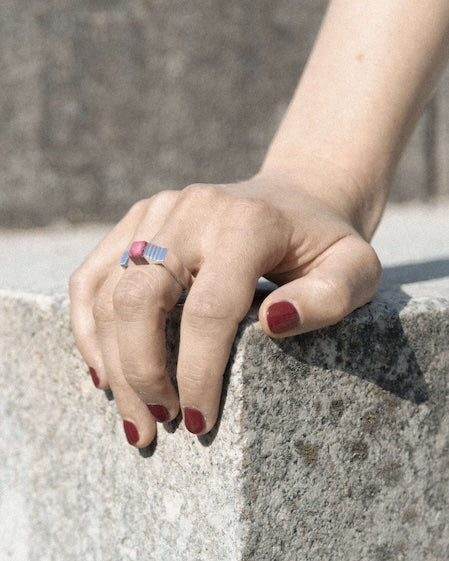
(301, 222)
(302, 236)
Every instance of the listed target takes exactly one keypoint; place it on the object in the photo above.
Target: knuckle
(254, 210)
(338, 295)
(347, 290)
(341, 295)
(144, 380)
(131, 294)
(207, 307)
(370, 272)
(138, 207)
(161, 199)
(199, 192)
(146, 384)
(195, 382)
(254, 217)
(166, 197)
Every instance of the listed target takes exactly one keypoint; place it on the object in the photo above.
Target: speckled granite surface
(72, 488)
(331, 446)
(346, 454)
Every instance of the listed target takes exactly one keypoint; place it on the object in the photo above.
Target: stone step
(331, 446)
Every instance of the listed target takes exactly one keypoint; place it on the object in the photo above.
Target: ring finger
(138, 422)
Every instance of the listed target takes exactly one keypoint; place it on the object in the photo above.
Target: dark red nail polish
(94, 375)
(159, 412)
(131, 432)
(194, 420)
(282, 316)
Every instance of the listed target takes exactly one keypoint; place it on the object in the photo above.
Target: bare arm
(372, 69)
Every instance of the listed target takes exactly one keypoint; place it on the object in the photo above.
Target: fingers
(138, 424)
(216, 304)
(141, 300)
(87, 280)
(93, 317)
(345, 278)
(84, 285)
(219, 299)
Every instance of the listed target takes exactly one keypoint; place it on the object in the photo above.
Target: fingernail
(159, 412)
(94, 375)
(194, 420)
(281, 317)
(132, 434)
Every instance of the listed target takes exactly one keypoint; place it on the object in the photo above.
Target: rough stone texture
(105, 102)
(70, 484)
(331, 446)
(346, 449)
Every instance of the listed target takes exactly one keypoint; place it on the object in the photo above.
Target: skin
(304, 220)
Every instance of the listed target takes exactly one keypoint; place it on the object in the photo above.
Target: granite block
(330, 446)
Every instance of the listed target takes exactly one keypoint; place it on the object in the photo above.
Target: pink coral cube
(136, 252)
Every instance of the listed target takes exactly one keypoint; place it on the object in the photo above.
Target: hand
(301, 236)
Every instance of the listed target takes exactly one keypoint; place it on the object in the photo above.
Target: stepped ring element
(145, 253)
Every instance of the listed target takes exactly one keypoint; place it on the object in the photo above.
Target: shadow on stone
(415, 272)
(173, 425)
(370, 343)
(376, 350)
(149, 450)
(385, 356)
(332, 416)
(109, 395)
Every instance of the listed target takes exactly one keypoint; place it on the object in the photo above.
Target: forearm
(370, 73)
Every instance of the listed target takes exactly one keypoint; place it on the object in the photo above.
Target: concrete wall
(103, 102)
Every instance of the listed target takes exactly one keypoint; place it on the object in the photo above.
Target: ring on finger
(145, 253)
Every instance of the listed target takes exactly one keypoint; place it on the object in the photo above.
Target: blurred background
(104, 102)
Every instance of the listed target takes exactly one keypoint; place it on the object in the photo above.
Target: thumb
(345, 278)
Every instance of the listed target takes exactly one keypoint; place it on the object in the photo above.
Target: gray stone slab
(331, 446)
(107, 102)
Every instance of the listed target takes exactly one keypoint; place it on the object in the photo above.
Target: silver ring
(145, 253)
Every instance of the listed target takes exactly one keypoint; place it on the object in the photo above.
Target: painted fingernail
(94, 375)
(194, 420)
(282, 317)
(159, 412)
(132, 434)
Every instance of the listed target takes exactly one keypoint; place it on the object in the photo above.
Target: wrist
(358, 197)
